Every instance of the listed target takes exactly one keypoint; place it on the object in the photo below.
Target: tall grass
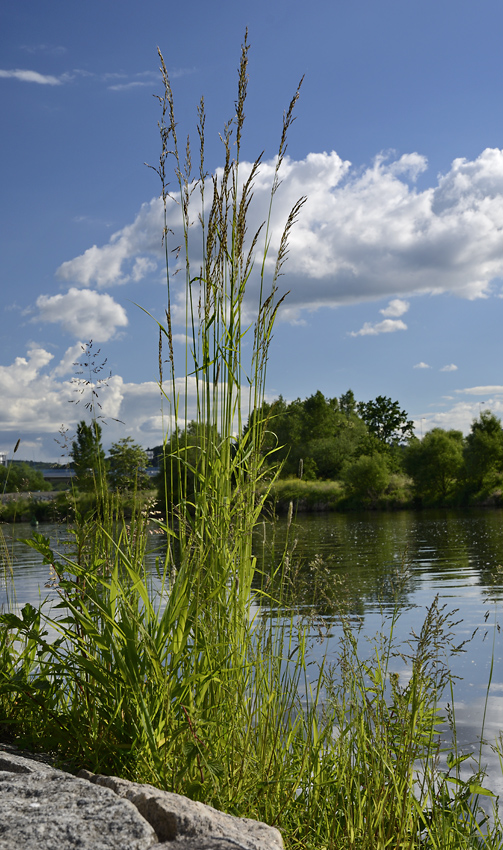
(193, 677)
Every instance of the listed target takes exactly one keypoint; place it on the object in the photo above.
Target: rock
(42, 808)
(46, 809)
(175, 817)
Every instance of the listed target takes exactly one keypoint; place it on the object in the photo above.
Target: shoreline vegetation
(197, 677)
(306, 497)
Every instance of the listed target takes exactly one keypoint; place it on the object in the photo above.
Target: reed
(197, 677)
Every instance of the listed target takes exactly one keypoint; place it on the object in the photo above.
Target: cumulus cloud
(83, 313)
(30, 399)
(35, 405)
(421, 365)
(66, 365)
(26, 76)
(363, 234)
(387, 326)
(396, 308)
(451, 367)
(487, 391)
(460, 415)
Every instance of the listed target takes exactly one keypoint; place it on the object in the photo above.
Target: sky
(395, 265)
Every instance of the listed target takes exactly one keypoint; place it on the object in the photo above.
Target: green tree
(484, 451)
(315, 431)
(88, 456)
(386, 421)
(435, 463)
(367, 477)
(127, 462)
(184, 459)
(347, 403)
(21, 477)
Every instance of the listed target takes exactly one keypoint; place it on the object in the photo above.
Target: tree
(386, 421)
(127, 464)
(347, 403)
(20, 477)
(184, 464)
(435, 463)
(88, 456)
(484, 450)
(367, 477)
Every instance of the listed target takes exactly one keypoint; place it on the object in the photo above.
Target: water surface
(372, 563)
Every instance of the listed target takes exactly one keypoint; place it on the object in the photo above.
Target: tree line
(369, 447)
(365, 444)
(123, 469)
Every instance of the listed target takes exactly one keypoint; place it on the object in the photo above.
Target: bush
(367, 477)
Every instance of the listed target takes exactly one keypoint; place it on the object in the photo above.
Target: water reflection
(364, 565)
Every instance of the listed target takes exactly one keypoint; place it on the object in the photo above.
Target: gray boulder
(42, 808)
(51, 810)
(176, 817)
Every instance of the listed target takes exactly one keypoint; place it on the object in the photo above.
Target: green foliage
(134, 685)
(185, 681)
(127, 462)
(386, 421)
(347, 403)
(435, 463)
(367, 477)
(88, 456)
(305, 495)
(182, 464)
(315, 431)
(21, 478)
(484, 451)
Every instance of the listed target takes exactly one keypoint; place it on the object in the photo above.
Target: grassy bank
(319, 496)
(65, 505)
(340, 755)
(313, 496)
(197, 677)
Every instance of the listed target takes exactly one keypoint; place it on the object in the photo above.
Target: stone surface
(203, 842)
(42, 808)
(45, 809)
(175, 817)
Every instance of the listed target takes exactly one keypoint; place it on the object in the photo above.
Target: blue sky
(395, 269)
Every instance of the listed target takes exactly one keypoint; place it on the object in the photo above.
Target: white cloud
(132, 85)
(30, 399)
(183, 339)
(396, 308)
(451, 367)
(35, 405)
(362, 234)
(83, 313)
(26, 76)
(66, 365)
(487, 391)
(142, 267)
(460, 416)
(385, 327)
(105, 266)
(421, 365)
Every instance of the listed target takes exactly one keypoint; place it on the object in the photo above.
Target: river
(375, 562)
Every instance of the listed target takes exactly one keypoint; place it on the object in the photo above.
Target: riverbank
(58, 506)
(305, 496)
(321, 496)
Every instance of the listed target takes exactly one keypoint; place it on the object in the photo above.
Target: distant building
(3, 459)
(56, 475)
